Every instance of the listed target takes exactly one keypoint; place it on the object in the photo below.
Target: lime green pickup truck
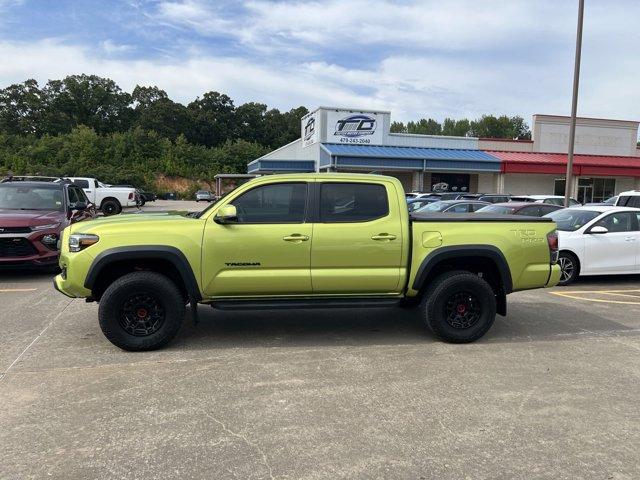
(302, 241)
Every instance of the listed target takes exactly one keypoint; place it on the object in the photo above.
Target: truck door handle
(630, 239)
(383, 237)
(295, 238)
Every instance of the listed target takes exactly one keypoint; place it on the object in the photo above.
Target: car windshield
(27, 197)
(501, 209)
(434, 207)
(571, 219)
(610, 201)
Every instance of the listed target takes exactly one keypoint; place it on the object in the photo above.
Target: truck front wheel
(460, 307)
(141, 311)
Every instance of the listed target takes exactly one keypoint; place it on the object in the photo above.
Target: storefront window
(559, 186)
(595, 189)
(450, 182)
(590, 190)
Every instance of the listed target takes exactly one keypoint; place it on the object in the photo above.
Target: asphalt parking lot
(552, 391)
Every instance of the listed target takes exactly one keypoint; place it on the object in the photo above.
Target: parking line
(9, 290)
(621, 293)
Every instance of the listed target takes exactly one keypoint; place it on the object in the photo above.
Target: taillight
(552, 241)
(131, 196)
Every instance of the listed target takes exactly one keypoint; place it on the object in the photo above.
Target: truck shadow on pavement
(526, 322)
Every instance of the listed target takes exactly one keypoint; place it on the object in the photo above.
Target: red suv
(32, 216)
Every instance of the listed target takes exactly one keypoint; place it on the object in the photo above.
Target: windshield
(496, 209)
(434, 207)
(27, 197)
(571, 219)
(610, 201)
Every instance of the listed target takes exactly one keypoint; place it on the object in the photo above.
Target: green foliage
(86, 125)
(133, 157)
(487, 126)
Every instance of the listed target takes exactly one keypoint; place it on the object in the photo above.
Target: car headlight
(45, 227)
(80, 241)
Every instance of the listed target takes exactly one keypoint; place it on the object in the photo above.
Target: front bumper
(29, 250)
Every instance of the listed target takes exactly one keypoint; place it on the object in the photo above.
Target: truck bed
(475, 217)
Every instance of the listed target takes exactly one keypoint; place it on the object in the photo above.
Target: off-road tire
(110, 207)
(117, 299)
(444, 317)
(566, 261)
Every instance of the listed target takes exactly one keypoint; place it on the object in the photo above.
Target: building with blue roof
(349, 140)
(343, 140)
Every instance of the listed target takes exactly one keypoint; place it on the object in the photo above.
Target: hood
(132, 218)
(29, 218)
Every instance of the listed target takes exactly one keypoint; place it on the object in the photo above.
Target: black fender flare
(137, 252)
(456, 251)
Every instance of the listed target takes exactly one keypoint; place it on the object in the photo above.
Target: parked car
(486, 197)
(110, 200)
(551, 199)
(435, 196)
(520, 208)
(32, 217)
(611, 201)
(452, 206)
(204, 196)
(143, 196)
(597, 240)
(629, 199)
(416, 203)
(304, 240)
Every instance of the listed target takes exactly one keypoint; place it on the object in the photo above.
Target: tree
(85, 100)
(425, 127)
(21, 108)
(214, 119)
(456, 128)
(489, 126)
(398, 127)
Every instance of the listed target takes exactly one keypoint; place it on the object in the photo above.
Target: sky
(429, 58)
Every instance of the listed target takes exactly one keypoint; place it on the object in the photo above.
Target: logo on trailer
(310, 128)
(355, 126)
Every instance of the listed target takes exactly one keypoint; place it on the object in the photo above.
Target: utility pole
(574, 105)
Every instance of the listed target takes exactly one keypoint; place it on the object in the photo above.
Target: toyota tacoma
(300, 241)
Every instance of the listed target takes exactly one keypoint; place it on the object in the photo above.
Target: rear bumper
(554, 276)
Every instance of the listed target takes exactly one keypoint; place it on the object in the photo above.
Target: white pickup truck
(111, 200)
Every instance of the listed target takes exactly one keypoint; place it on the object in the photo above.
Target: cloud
(456, 58)
(110, 47)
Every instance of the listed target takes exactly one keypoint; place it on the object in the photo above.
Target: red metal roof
(556, 163)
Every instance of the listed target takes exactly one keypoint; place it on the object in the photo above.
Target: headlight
(80, 241)
(45, 227)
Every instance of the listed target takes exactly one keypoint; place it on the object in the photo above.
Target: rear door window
(81, 183)
(352, 202)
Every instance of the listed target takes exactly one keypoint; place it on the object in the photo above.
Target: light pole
(574, 105)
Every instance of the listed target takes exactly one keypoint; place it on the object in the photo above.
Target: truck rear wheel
(141, 311)
(460, 307)
(110, 207)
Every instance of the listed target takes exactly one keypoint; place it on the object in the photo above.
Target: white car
(597, 240)
(629, 199)
(551, 199)
(111, 200)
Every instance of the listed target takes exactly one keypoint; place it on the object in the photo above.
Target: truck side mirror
(598, 230)
(226, 214)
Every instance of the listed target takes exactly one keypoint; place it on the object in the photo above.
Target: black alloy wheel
(141, 314)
